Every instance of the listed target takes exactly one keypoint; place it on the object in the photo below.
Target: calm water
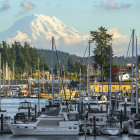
(124, 137)
(11, 105)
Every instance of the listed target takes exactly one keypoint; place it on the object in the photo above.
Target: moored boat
(57, 122)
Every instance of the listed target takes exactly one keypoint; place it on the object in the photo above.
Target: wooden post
(94, 118)
(85, 130)
(35, 110)
(125, 111)
(1, 122)
(121, 119)
(29, 113)
(14, 119)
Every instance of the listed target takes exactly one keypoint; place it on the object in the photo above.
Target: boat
(25, 112)
(111, 130)
(134, 127)
(59, 121)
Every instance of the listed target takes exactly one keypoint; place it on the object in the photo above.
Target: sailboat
(112, 127)
(134, 124)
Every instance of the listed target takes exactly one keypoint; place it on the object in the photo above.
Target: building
(125, 87)
(124, 77)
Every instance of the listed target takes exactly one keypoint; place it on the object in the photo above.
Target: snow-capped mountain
(38, 30)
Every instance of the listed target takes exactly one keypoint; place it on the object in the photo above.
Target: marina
(60, 83)
(91, 113)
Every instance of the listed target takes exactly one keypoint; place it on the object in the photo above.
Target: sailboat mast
(52, 69)
(88, 78)
(13, 70)
(132, 62)
(121, 82)
(0, 81)
(80, 84)
(110, 78)
(137, 109)
(38, 88)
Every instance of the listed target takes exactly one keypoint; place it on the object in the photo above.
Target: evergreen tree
(103, 49)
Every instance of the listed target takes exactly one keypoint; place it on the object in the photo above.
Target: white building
(124, 77)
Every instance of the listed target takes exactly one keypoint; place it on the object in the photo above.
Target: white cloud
(112, 5)
(120, 42)
(117, 37)
(21, 37)
(27, 5)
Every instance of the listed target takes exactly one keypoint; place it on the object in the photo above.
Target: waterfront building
(125, 87)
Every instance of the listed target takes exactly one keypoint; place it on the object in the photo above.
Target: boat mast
(132, 64)
(59, 79)
(110, 78)
(38, 88)
(52, 70)
(13, 70)
(0, 81)
(80, 84)
(137, 108)
(88, 78)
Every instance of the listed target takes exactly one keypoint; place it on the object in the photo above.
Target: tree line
(24, 58)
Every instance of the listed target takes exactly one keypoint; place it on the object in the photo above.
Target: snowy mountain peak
(38, 29)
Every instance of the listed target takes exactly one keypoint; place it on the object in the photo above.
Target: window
(113, 88)
(124, 88)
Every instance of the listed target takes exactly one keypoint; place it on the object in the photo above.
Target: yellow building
(63, 95)
(115, 87)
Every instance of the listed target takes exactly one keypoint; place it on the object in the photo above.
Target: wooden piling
(35, 111)
(1, 122)
(29, 113)
(94, 118)
(125, 111)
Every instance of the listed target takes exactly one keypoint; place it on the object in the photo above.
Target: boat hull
(16, 130)
(111, 131)
(134, 132)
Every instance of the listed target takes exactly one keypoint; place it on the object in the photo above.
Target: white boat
(111, 128)
(134, 128)
(55, 122)
(25, 112)
(112, 131)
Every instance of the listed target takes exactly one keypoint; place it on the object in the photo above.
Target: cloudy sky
(118, 16)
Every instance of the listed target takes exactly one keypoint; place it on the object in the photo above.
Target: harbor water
(11, 106)
(123, 137)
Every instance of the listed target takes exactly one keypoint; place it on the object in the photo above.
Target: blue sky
(83, 15)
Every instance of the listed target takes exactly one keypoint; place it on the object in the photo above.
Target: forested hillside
(23, 57)
(63, 57)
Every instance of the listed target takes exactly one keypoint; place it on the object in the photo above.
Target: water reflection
(123, 137)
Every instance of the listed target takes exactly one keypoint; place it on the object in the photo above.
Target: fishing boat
(60, 121)
(25, 112)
